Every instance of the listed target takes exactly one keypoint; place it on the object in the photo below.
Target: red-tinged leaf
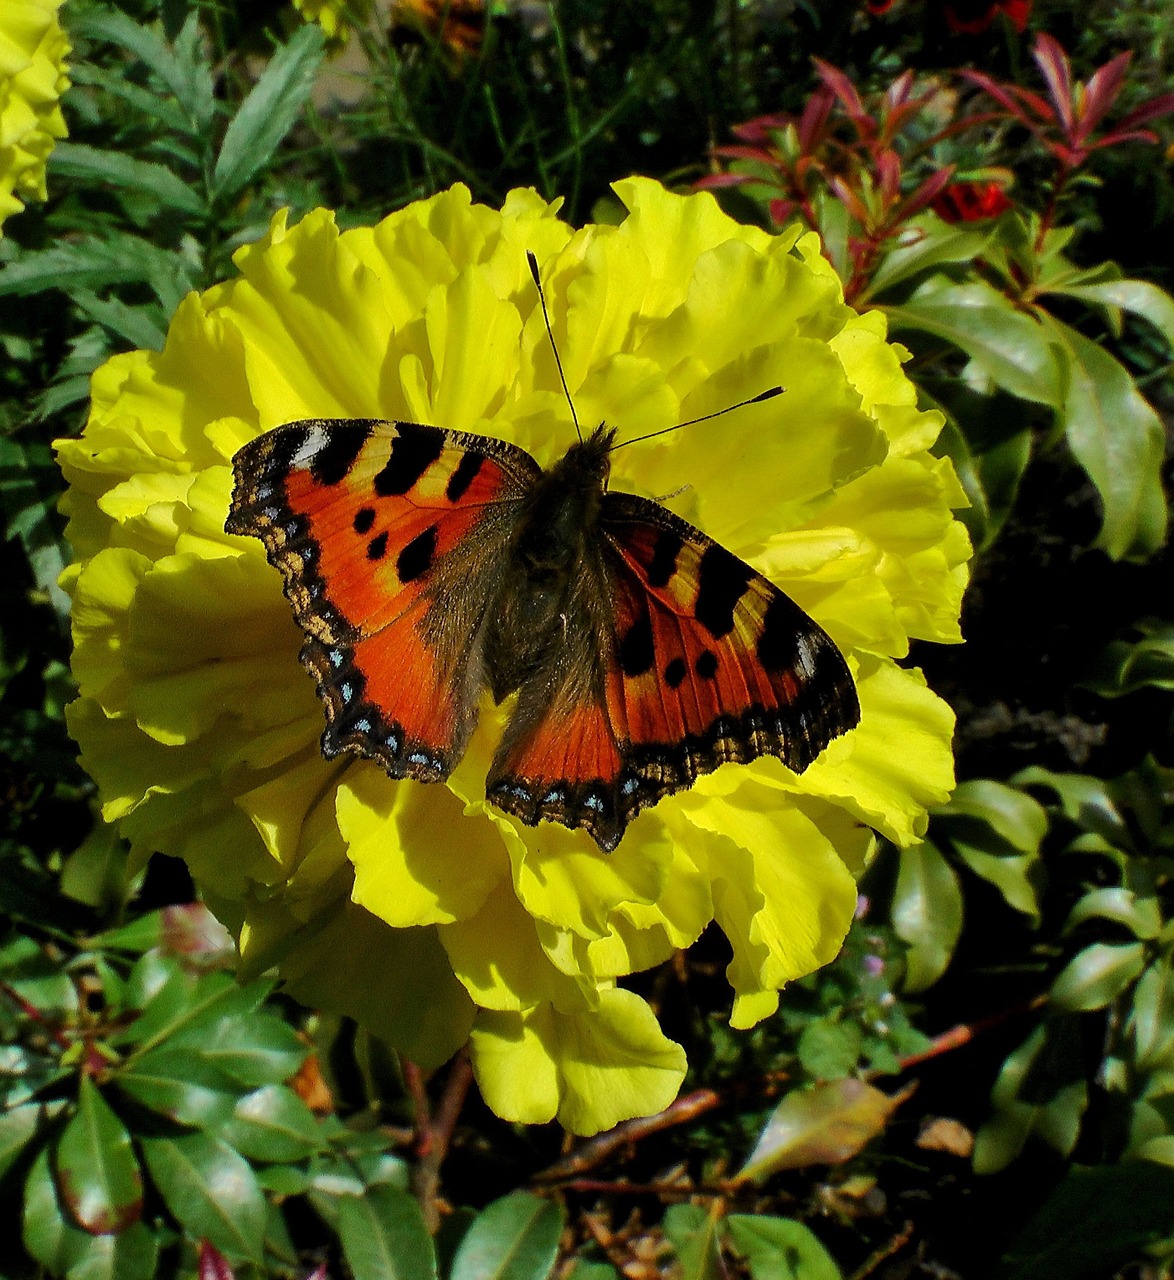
(849, 199)
(716, 180)
(827, 1124)
(842, 86)
(733, 151)
(781, 210)
(319, 1273)
(1052, 61)
(1100, 93)
(97, 1172)
(898, 92)
(1154, 109)
(760, 128)
(194, 934)
(212, 1264)
(1013, 98)
(923, 195)
(815, 117)
(888, 173)
(1117, 136)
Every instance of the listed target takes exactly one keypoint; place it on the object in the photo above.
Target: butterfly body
(426, 566)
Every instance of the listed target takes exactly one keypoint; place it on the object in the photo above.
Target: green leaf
(1138, 296)
(1095, 1222)
(133, 1254)
(180, 68)
(829, 1048)
(515, 1238)
(928, 242)
(1015, 877)
(75, 160)
(181, 1086)
(17, 1127)
(273, 1124)
(693, 1233)
(1140, 915)
(780, 1249)
(135, 325)
(926, 913)
(49, 1238)
(211, 1191)
(1011, 348)
(1125, 666)
(1153, 1015)
(384, 1237)
(140, 934)
(1118, 439)
(97, 1172)
(1098, 974)
(1016, 817)
(269, 112)
(256, 1050)
(96, 263)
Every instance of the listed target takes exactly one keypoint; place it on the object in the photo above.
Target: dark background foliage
(1010, 978)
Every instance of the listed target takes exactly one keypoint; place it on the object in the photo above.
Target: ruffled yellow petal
(33, 49)
(591, 1070)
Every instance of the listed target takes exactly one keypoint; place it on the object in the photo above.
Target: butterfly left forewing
(389, 537)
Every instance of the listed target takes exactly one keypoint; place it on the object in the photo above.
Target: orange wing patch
(359, 517)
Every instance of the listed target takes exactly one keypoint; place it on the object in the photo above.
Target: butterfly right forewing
(391, 538)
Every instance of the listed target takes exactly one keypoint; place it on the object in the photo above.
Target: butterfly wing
(702, 661)
(390, 538)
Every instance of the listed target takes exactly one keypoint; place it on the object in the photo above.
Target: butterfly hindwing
(701, 661)
(362, 518)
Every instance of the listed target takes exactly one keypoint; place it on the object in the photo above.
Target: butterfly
(426, 565)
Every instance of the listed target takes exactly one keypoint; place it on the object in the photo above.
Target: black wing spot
(377, 547)
(413, 451)
(416, 557)
(782, 624)
(333, 461)
(675, 672)
(723, 580)
(664, 558)
(460, 480)
(636, 652)
(364, 519)
(706, 665)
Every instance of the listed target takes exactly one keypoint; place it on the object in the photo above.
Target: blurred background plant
(982, 1082)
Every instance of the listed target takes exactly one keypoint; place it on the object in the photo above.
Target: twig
(886, 1251)
(965, 1032)
(434, 1131)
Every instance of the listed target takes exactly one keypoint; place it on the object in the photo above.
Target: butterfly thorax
(550, 552)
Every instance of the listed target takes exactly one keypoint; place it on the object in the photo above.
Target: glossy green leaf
(1015, 877)
(693, 1233)
(384, 1237)
(113, 168)
(133, 1254)
(269, 112)
(254, 1051)
(1095, 1222)
(17, 1128)
(1016, 817)
(780, 1249)
(47, 1234)
(273, 1124)
(187, 1013)
(1011, 348)
(826, 1124)
(515, 1238)
(1142, 916)
(1138, 296)
(926, 913)
(180, 1086)
(1127, 665)
(1119, 441)
(927, 242)
(97, 1172)
(1098, 974)
(584, 1270)
(211, 1190)
(1153, 1015)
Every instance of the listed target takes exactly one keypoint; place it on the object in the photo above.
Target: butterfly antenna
(705, 417)
(533, 261)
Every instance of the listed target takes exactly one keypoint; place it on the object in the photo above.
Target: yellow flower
(33, 48)
(418, 909)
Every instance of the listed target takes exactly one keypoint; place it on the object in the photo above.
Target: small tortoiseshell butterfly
(425, 565)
